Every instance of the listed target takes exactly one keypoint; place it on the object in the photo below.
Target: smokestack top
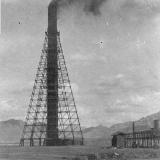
(52, 17)
(53, 2)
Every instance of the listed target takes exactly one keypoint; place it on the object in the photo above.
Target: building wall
(118, 141)
(141, 139)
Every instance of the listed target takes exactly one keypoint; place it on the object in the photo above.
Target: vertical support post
(39, 141)
(134, 136)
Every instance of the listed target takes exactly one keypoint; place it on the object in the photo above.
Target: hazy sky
(113, 57)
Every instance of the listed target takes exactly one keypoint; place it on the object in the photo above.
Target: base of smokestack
(61, 142)
(52, 142)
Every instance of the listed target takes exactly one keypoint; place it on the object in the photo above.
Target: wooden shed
(118, 140)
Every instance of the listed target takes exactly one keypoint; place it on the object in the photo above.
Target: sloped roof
(118, 133)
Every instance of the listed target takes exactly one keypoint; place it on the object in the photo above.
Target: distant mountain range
(10, 130)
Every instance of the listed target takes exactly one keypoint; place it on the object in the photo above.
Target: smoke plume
(89, 6)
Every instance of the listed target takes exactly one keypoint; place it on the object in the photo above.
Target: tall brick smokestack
(52, 77)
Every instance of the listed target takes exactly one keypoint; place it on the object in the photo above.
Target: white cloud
(10, 1)
(78, 57)
(118, 81)
(137, 99)
(119, 76)
(10, 108)
(75, 88)
(5, 107)
(151, 3)
(4, 43)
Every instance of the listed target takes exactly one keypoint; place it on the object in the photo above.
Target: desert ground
(76, 153)
(45, 153)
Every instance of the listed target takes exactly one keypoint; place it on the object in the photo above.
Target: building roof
(118, 133)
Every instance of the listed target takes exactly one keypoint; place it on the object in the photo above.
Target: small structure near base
(118, 140)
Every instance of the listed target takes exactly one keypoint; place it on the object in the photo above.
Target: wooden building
(142, 139)
(118, 140)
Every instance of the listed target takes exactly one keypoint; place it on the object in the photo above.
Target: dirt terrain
(44, 153)
(76, 153)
